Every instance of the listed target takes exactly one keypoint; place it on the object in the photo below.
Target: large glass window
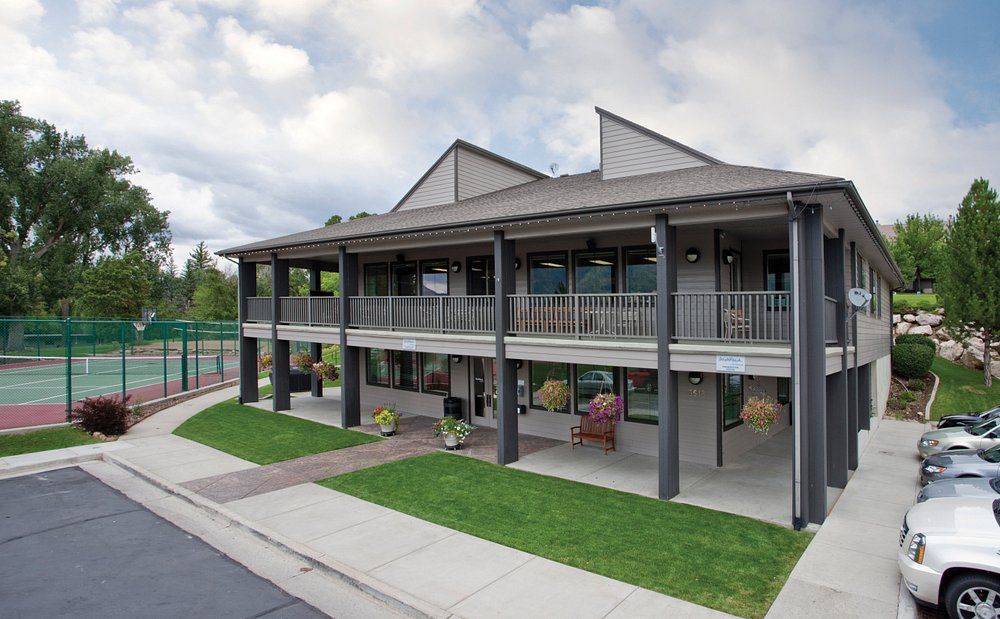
(404, 279)
(784, 388)
(777, 276)
(732, 400)
(591, 380)
(378, 367)
(548, 273)
(641, 395)
(481, 280)
(435, 376)
(640, 269)
(377, 280)
(541, 371)
(595, 272)
(434, 278)
(404, 369)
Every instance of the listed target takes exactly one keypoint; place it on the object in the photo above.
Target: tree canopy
(115, 287)
(970, 279)
(336, 219)
(918, 246)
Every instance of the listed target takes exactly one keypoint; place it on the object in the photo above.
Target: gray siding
(478, 175)
(627, 152)
(437, 188)
(874, 339)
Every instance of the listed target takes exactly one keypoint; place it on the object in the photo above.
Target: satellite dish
(859, 297)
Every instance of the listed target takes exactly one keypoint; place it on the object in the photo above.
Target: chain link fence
(48, 365)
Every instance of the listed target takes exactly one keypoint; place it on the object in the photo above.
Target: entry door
(483, 379)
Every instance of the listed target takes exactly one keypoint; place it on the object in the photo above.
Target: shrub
(914, 338)
(912, 360)
(915, 384)
(896, 404)
(108, 415)
(907, 396)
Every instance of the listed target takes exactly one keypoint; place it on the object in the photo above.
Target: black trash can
(453, 407)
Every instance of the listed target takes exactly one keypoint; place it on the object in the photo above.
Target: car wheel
(973, 596)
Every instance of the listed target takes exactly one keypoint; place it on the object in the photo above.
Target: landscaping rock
(972, 359)
(896, 319)
(929, 319)
(909, 317)
(902, 328)
(99, 436)
(951, 350)
(921, 330)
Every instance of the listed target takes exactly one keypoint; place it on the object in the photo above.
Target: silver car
(982, 436)
(972, 487)
(958, 463)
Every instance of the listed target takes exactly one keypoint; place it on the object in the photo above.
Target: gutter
(796, 372)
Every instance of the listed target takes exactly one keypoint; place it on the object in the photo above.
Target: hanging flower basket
(325, 371)
(554, 394)
(387, 418)
(303, 361)
(760, 412)
(606, 407)
(265, 361)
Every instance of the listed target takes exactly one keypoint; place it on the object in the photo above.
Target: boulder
(995, 369)
(939, 311)
(929, 319)
(951, 350)
(921, 330)
(902, 328)
(942, 335)
(972, 359)
(975, 342)
(896, 319)
(909, 318)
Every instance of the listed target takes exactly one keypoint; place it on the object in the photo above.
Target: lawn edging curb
(387, 594)
(930, 400)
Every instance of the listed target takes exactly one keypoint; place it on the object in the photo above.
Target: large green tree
(918, 246)
(336, 219)
(970, 282)
(115, 287)
(215, 297)
(63, 206)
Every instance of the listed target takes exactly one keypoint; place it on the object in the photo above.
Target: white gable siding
(627, 152)
(478, 175)
(437, 188)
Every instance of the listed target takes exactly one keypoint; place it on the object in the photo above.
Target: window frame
(420, 364)
(628, 394)
(447, 276)
(491, 278)
(615, 387)
(615, 268)
(388, 282)
(624, 265)
(569, 271)
(388, 369)
(569, 384)
(722, 401)
(392, 370)
(392, 276)
(765, 254)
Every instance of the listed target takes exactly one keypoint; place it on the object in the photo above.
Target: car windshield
(995, 484)
(991, 455)
(983, 428)
(991, 413)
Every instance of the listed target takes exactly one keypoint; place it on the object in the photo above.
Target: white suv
(949, 555)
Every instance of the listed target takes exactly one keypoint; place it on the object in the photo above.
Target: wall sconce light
(400, 258)
(728, 256)
(456, 267)
(692, 255)
(456, 358)
(519, 363)
(591, 244)
(517, 264)
(694, 378)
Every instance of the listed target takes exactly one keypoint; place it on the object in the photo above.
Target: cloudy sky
(254, 118)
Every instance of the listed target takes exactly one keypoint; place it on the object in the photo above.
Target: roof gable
(465, 171)
(628, 149)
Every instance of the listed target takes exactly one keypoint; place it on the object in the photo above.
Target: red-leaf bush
(108, 415)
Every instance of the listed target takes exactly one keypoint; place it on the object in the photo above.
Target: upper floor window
(548, 273)
(596, 272)
(404, 279)
(777, 276)
(640, 269)
(434, 278)
(376, 280)
(481, 280)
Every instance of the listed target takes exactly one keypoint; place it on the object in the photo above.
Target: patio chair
(590, 430)
(736, 325)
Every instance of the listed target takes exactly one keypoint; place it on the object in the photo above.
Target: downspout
(795, 378)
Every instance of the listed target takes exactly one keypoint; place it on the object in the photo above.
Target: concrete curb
(387, 594)
(26, 429)
(48, 465)
(930, 400)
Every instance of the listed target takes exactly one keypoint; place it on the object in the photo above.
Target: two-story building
(682, 283)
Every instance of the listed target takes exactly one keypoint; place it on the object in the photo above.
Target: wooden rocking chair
(590, 430)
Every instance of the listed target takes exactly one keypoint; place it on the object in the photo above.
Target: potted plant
(605, 407)
(303, 361)
(264, 364)
(454, 430)
(387, 418)
(760, 412)
(325, 371)
(554, 394)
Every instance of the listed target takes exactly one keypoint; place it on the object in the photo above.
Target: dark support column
(315, 350)
(668, 458)
(282, 398)
(811, 357)
(506, 369)
(350, 366)
(247, 284)
(853, 422)
(837, 437)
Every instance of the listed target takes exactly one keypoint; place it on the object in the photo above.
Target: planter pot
(388, 429)
(451, 442)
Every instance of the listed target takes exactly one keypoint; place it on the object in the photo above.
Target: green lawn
(268, 390)
(43, 440)
(265, 437)
(906, 301)
(961, 389)
(712, 558)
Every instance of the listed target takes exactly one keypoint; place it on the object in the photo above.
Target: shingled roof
(553, 196)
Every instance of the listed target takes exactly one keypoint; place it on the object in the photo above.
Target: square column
(668, 437)
(281, 366)
(350, 367)
(247, 287)
(853, 420)
(837, 436)
(506, 369)
(315, 350)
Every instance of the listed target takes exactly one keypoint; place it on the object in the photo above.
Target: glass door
(483, 380)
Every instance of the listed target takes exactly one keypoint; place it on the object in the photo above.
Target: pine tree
(970, 286)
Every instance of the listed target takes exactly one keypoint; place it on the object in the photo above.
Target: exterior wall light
(517, 264)
(692, 255)
(519, 364)
(456, 358)
(456, 267)
(728, 256)
(694, 378)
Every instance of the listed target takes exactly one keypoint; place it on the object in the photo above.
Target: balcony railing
(310, 311)
(258, 309)
(441, 314)
(732, 316)
(584, 315)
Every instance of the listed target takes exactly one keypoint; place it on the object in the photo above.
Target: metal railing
(584, 315)
(750, 317)
(312, 311)
(258, 309)
(441, 314)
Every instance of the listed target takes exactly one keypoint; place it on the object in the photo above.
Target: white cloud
(96, 11)
(20, 13)
(263, 59)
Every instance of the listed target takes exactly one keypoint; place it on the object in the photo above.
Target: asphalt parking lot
(72, 546)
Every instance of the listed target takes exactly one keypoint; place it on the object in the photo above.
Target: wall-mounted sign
(409, 344)
(730, 364)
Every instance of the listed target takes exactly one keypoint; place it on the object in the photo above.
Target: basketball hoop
(148, 315)
(139, 326)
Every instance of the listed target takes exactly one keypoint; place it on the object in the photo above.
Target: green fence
(47, 365)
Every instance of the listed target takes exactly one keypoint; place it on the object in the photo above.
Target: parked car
(981, 436)
(593, 382)
(970, 487)
(961, 463)
(948, 555)
(968, 419)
